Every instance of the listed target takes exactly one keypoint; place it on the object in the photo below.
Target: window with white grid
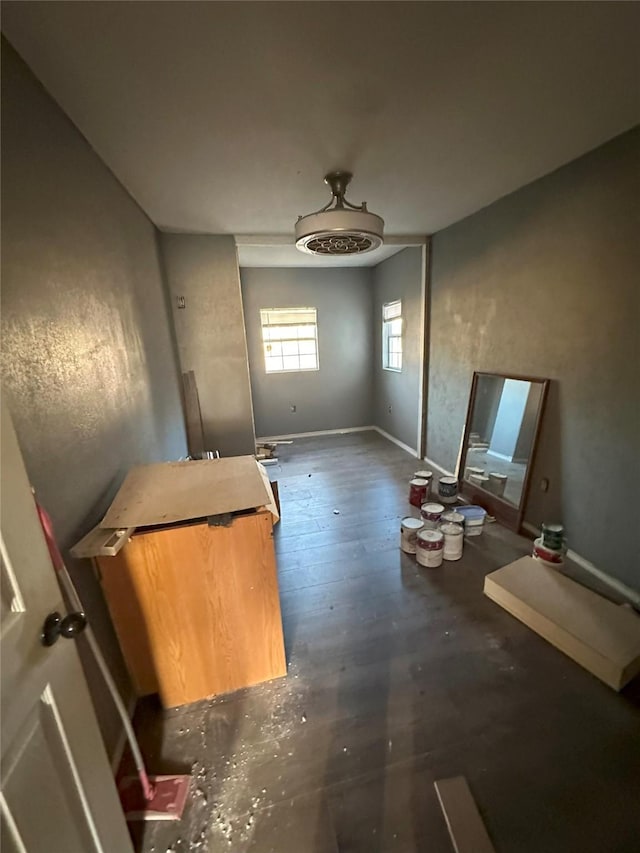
(392, 335)
(290, 339)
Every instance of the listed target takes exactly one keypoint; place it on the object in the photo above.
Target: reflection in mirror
(500, 436)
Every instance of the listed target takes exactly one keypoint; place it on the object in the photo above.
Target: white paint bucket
(453, 539)
(497, 483)
(448, 490)
(431, 514)
(553, 557)
(472, 470)
(409, 529)
(430, 548)
(452, 516)
(480, 481)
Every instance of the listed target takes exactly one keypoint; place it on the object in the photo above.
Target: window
(290, 339)
(392, 336)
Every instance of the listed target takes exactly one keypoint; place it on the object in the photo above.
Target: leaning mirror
(499, 443)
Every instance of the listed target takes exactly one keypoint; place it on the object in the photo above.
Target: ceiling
(224, 117)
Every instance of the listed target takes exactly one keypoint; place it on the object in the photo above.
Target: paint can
(409, 529)
(552, 557)
(497, 483)
(471, 470)
(553, 536)
(430, 548)
(452, 516)
(431, 514)
(474, 517)
(448, 490)
(418, 491)
(480, 481)
(453, 539)
(425, 475)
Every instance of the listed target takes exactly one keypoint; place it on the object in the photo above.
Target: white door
(58, 793)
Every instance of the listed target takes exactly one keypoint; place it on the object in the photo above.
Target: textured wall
(399, 277)
(339, 394)
(210, 335)
(88, 363)
(545, 282)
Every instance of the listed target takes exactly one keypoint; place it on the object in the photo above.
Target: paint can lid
(411, 523)
(450, 529)
(424, 475)
(452, 516)
(558, 529)
(430, 539)
(449, 481)
(496, 475)
(432, 508)
(418, 481)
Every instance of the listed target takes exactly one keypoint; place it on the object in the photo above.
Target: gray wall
(89, 368)
(339, 394)
(545, 282)
(210, 335)
(399, 277)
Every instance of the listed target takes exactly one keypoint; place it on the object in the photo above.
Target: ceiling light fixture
(339, 228)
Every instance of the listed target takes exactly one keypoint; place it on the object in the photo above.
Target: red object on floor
(167, 801)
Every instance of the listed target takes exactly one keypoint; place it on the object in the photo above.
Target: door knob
(68, 626)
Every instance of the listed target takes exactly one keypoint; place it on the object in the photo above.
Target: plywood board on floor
(601, 636)
(466, 829)
(167, 492)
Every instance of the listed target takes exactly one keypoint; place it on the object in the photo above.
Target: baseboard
(439, 468)
(116, 758)
(397, 441)
(632, 595)
(264, 438)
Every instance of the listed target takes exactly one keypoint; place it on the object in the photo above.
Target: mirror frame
(503, 511)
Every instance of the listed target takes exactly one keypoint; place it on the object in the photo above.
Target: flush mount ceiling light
(339, 228)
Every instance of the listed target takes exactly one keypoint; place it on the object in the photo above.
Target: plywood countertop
(167, 492)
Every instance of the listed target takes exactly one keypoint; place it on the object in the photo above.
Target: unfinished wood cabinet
(196, 607)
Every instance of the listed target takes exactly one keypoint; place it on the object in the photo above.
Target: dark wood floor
(398, 676)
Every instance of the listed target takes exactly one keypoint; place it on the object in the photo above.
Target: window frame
(293, 339)
(390, 316)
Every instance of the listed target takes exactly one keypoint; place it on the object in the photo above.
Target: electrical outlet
(180, 301)
(390, 409)
(544, 485)
(293, 408)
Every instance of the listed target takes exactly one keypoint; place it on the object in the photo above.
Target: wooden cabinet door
(197, 608)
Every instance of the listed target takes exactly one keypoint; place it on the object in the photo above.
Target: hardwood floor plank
(397, 676)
